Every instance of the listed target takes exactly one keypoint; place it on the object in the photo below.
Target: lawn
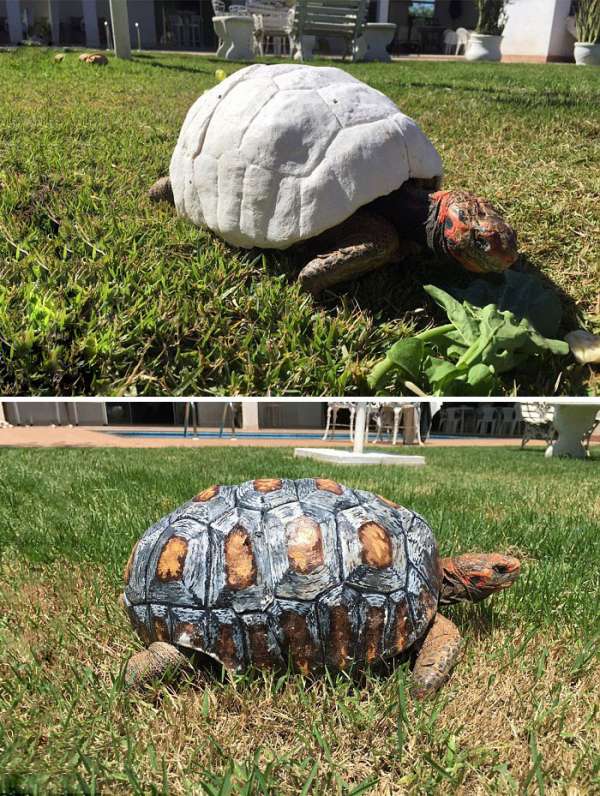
(519, 715)
(103, 293)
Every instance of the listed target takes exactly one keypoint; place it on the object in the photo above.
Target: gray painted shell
(274, 570)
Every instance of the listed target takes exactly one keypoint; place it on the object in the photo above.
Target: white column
(120, 28)
(249, 415)
(54, 20)
(383, 11)
(90, 21)
(15, 24)
(359, 427)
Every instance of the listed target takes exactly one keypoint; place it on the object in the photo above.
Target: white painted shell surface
(274, 570)
(277, 154)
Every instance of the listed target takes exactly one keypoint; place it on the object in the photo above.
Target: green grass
(101, 292)
(519, 715)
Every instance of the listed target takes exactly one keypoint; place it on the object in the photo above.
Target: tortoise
(304, 573)
(313, 160)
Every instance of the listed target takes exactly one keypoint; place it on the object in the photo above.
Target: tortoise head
(472, 232)
(474, 576)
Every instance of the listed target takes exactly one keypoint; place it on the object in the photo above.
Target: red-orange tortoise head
(471, 231)
(474, 576)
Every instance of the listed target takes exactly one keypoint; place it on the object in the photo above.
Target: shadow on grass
(516, 99)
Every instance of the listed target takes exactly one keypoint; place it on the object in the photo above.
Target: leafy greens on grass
(465, 356)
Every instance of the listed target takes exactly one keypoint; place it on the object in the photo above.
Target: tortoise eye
(501, 569)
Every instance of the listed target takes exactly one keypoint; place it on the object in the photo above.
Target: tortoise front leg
(438, 654)
(362, 243)
(154, 663)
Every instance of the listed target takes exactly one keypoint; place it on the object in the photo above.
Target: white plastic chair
(487, 420)
(451, 420)
(333, 407)
(508, 422)
(450, 41)
(462, 39)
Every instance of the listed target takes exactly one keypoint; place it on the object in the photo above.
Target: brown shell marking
(374, 630)
(129, 564)
(260, 655)
(161, 631)
(376, 545)
(327, 485)
(301, 646)
(389, 502)
(172, 559)
(305, 545)
(226, 650)
(340, 637)
(402, 628)
(207, 494)
(267, 484)
(240, 565)
(188, 635)
(427, 602)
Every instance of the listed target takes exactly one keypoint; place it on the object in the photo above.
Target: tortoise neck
(408, 209)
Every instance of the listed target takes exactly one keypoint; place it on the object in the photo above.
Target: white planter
(236, 37)
(587, 53)
(483, 48)
(377, 36)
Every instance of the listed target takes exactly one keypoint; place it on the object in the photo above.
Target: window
(424, 9)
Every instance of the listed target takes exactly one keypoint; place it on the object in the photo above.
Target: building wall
(537, 29)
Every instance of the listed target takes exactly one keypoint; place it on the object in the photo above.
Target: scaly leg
(154, 663)
(438, 654)
(362, 243)
(161, 191)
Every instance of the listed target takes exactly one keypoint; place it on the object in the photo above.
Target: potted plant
(484, 43)
(587, 27)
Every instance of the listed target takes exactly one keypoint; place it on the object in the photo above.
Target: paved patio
(103, 437)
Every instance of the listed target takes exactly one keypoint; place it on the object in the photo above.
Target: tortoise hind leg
(438, 654)
(156, 662)
(362, 243)
(161, 191)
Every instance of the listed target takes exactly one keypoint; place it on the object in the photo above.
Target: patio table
(571, 422)
(236, 35)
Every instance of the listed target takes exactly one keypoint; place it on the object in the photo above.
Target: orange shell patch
(129, 564)
(376, 545)
(240, 565)
(172, 559)
(327, 485)
(389, 502)
(267, 484)
(305, 545)
(207, 494)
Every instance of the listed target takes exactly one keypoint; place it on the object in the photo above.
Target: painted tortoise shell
(274, 571)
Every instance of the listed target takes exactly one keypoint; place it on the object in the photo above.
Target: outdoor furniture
(273, 24)
(537, 421)
(462, 39)
(508, 422)
(573, 422)
(344, 19)
(487, 420)
(392, 417)
(236, 34)
(333, 407)
(431, 38)
(451, 420)
(378, 35)
(450, 41)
